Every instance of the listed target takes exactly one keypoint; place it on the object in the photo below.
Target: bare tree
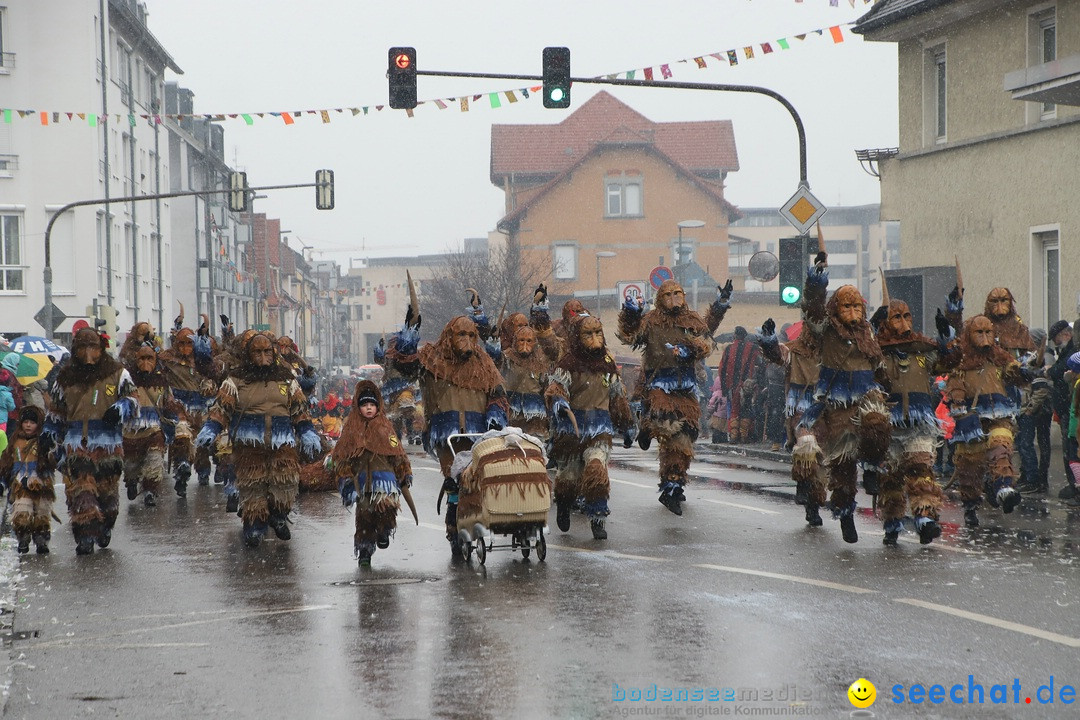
(504, 281)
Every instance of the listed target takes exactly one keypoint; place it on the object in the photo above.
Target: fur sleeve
(621, 417)
(403, 470)
(558, 388)
(715, 316)
(298, 404)
(629, 327)
(224, 405)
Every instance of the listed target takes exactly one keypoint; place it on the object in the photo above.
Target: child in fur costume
(980, 401)
(462, 391)
(29, 475)
(675, 341)
(189, 370)
(799, 358)
(145, 434)
(911, 361)
(266, 413)
(587, 403)
(848, 416)
(91, 399)
(373, 471)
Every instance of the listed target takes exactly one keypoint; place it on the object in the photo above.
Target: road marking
(996, 622)
(940, 546)
(744, 507)
(790, 578)
(627, 482)
(67, 641)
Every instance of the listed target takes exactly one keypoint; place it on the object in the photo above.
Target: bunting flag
(724, 58)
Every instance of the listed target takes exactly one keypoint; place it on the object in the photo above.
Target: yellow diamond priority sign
(802, 210)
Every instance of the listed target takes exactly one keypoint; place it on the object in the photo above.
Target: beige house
(989, 145)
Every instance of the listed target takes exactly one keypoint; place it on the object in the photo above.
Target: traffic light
(238, 192)
(103, 319)
(793, 264)
(402, 75)
(556, 77)
(324, 189)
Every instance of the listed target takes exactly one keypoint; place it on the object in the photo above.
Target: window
(939, 89)
(7, 59)
(565, 262)
(1051, 272)
(11, 270)
(1042, 49)
(623, 196)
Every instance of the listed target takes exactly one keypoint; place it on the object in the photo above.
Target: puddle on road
(383, 581)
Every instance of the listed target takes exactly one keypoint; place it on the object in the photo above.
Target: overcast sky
(408, 186)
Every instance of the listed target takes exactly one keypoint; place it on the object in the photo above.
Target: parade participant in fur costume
(848, 416)
(141, 333)
(587, 402)
(29, 475)
(978, 397)
(266, 413)
(799, 358)
(91, 399)
(373, 470)
(289, 354)
(189, 370)
(399, 394)
(1000, 308)
(572, 309)
(145, 434)
(526, 371)
(675, 341)
(911, 362)
(462, 391)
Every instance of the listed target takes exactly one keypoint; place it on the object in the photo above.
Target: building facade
(989, 145)
(120, 253)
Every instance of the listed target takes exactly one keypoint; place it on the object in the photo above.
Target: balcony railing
(8, 163)
(7, 60)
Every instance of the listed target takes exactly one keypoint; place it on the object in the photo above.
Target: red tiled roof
(624, 137)
(549, 149)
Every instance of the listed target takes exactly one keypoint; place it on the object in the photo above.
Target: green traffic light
(556, 95)
(790, 294)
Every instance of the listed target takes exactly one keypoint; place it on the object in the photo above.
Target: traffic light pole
(49, 327)
(664, 84)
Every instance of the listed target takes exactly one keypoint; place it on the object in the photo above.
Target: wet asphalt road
(178, 619)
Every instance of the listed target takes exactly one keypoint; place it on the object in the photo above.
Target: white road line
(627, 482)
(744, 507)
(940, 546)
(790, 578)
(987, 620)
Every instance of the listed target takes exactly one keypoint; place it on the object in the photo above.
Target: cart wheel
(481, 551)
(541, 548)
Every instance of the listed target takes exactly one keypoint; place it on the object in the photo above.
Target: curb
(9, 579)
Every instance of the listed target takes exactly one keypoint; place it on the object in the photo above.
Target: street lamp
(679, 256)
(600, 254)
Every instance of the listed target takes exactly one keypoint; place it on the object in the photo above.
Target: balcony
(1055, 82)
(8, 165)
(7, 62)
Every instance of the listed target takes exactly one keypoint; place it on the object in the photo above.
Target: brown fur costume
(671, 411)
(30, 478)
(1011, 332)
(93, 451)
(525, 376)
(368, 449)
(267, 466)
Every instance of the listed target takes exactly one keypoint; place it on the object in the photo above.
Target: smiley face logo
(862, 693)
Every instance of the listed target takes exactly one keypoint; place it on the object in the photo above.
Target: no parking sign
(659, 274)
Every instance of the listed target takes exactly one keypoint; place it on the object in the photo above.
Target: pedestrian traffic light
(402, 75)
(238, 192)
(556, 77)
(793, 263)
(324, 189)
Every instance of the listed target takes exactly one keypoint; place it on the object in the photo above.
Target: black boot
(24, 543)
(181, 475)
(84, 546)
(41, 540)
(847, 528)
(802, 492)
(598, 530)
(253, 533)
(644, 439)
(204, 477)
(679, 494)
(892, 533)
(364, 551)
(871, 481)
(383, 540)
(280, 524)
(668, 499)
(562, 515)
(132, 491)
(451, 530)
(929, 530)
(1008, 498)
(813, 517)
(149, 500)
(104, 537)
(970, 518)
(232, 503)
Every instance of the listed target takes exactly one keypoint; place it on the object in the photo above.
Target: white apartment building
(88, 82)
